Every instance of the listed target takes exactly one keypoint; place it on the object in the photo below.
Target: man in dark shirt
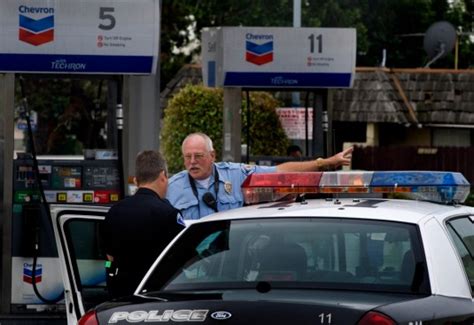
(139, 227)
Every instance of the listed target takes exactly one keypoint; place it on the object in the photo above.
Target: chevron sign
(28, 273)
(285, 57)
(36, 31)
(259, 53)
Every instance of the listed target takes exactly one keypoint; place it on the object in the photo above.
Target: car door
(77, 231)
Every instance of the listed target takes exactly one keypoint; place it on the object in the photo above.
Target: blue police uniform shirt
(229, 195)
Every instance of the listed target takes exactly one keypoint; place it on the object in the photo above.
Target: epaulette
(178, 176)
(227, 165)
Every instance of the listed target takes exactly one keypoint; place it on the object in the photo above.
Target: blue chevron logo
(259, 49)
(36, 26)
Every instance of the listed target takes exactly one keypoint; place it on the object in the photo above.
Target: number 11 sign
(79, 37)
(257, 57)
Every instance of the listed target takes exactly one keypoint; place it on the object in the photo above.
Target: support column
(329, 134)
(319, 102)
(231, 148)
(7, 105)
(142, 114)
(372, 135)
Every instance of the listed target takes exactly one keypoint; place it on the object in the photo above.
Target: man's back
(136, 230)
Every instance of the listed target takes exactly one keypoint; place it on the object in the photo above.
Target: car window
(88, 259)
(319, 252)
(462, 233)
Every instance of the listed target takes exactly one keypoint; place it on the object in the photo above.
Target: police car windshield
(318, 253)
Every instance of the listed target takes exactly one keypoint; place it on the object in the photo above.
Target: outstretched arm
(342, 158)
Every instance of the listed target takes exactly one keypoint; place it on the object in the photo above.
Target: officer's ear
(213, 155)
(163, 175)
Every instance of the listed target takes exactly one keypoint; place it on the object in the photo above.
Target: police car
(325, 248)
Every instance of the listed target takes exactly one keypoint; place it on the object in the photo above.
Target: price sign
(286, 57)
(86, 36)
(293, 121)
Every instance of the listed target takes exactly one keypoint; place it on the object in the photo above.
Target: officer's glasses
(197, 156)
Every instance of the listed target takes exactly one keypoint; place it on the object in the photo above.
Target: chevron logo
(259, 53)
(36, 31)
(28, 273)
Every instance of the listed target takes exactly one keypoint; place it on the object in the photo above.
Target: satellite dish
(439, 40)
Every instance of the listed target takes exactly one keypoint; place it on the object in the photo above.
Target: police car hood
(248, 307)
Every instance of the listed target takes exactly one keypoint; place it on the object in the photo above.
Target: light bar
(443, 187)
(275, 186)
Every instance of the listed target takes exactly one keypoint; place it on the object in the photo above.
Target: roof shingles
(435, 96)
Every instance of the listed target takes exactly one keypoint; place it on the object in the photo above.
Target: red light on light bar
(275, 186)
(292, 180)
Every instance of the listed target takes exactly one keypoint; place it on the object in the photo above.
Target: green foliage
(470, 199)
(199, 109)
(193, 109)
(267, 136)
(175, 19)
(64, 109)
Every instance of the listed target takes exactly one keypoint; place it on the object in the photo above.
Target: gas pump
(38, 181)
(66, 180)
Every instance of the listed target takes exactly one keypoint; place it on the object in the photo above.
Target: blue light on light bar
(443, 187)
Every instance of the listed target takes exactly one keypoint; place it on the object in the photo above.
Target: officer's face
(197, 158)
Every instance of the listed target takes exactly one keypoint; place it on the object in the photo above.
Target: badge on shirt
(228, 187)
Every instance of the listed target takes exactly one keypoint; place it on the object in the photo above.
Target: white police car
(351, 257)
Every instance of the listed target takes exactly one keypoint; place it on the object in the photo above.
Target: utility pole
(295, 96)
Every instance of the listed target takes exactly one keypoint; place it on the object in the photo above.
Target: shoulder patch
(180, 219)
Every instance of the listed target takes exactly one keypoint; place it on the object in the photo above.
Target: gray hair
(148, 166)
(204, 136)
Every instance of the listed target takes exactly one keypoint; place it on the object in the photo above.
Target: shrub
(199, 109)
(470, 199)
(267, 136)
(193, 109)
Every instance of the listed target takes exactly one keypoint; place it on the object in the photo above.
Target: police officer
(206, 187)
(139, 227)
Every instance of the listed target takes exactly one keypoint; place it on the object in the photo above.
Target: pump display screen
(67, 177)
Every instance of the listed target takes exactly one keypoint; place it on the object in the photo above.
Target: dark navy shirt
(136, 230)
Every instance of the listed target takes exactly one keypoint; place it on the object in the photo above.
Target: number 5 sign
(86, 36)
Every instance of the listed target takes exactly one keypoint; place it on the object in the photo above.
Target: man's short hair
(206, 138)
(293, 148)
(148, 166)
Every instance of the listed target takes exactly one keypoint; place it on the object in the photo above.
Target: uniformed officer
(139, 227)
(206, 187)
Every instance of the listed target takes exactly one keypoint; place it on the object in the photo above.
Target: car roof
(408, 211)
